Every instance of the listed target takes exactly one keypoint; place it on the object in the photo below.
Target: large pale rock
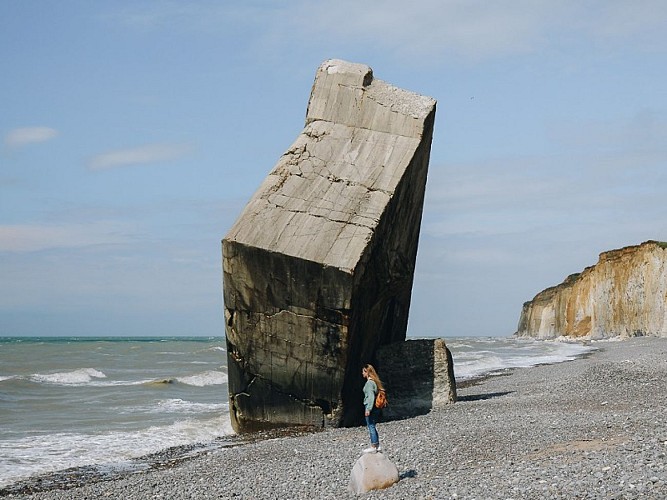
(372, 471)
(418, 375)
(624, 294)
(318, 268)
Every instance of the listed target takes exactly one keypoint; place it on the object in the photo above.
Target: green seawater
(71, 401)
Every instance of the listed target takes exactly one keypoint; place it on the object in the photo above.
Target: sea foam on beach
(589, 428)
(476, 357)
(79, 402)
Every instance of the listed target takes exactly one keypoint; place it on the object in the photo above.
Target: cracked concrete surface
(318, 268)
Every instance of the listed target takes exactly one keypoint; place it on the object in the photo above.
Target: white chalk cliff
(623, 295)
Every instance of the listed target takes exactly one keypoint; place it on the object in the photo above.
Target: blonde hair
(373, 375)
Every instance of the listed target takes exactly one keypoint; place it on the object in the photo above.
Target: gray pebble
(590, 428)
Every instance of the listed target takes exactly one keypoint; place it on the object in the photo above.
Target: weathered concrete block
(372, 471)
(418, 375)
(318, 268)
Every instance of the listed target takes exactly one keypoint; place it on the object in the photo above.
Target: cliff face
(624, 294)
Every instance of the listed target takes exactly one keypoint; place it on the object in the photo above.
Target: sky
(134, 132)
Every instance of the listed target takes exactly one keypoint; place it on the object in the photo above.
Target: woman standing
(371, 387)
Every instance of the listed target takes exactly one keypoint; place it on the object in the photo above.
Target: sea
(70, 402)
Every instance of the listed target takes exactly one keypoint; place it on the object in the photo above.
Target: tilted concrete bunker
(318, 268)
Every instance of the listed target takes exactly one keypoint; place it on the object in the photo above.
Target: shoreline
(67, 479)
(592, 427)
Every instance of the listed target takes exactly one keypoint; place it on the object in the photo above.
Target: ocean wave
(76, 377)
(473, 368)
(182, 406)
(160, 381)
(40, 454)
(8, 377)
(119, 383)
(512, 353)
(210, 377)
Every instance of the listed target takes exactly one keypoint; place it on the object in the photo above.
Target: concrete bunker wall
(318, 268)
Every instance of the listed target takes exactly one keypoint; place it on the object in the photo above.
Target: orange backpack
(381, 399)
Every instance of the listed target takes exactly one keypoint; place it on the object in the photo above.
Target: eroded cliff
(624, 294)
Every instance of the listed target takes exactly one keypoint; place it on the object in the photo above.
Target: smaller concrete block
(418, 375)
(372, 471)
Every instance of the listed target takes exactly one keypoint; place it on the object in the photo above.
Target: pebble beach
(594, 427)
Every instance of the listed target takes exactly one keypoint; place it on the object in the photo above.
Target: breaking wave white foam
(25, 456)
(76, 377)
(182, 406)
(210, 377)
(474, 358)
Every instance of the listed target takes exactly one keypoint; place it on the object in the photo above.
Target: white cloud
(421, 30)
(142, 155)
(35, 237)
(19, 137)
(479, 29)
(642, 132)
(199, 16)
(426, 27)
(433, 27)
(623, 18)
(572, 194)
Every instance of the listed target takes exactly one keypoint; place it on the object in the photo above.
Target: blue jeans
(370, 423)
